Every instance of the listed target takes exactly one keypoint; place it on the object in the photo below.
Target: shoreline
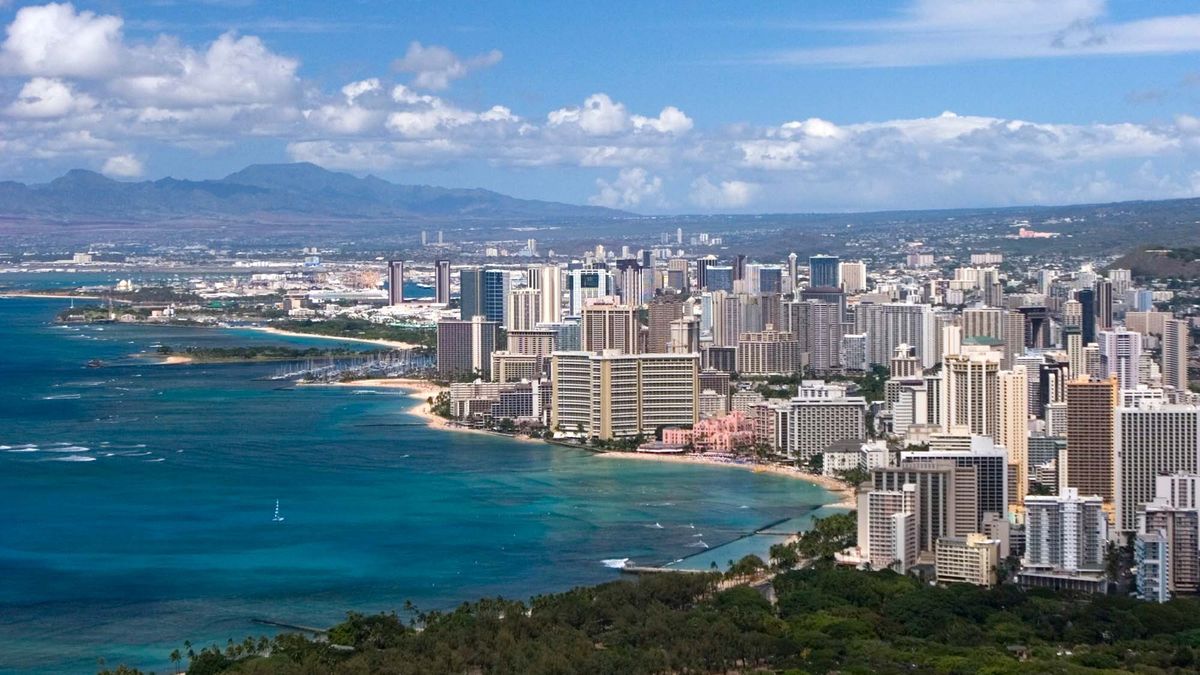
(422, 390)
(51, 296)
(393, 344)
(846, 493)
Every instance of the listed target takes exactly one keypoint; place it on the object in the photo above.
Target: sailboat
(278, 518)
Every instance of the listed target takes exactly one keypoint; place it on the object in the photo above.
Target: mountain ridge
(282, 190)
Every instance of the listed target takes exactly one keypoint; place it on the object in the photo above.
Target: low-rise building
(967, 560)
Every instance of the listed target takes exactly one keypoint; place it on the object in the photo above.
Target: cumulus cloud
(44, 97)
(56, 40)
(632, 187)
(727, 194)
(122, 166)
(435, 67)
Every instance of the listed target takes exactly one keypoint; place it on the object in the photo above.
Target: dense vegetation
(825, 619)
(361, 328)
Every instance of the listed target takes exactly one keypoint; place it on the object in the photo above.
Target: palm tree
(176, 657)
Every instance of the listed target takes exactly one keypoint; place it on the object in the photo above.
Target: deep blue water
(136, 501)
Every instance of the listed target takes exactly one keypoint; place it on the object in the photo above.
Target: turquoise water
(136, 501)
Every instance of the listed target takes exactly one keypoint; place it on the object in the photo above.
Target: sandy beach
(846, 492)
(391, 344)
(175, 360)
(422, 390)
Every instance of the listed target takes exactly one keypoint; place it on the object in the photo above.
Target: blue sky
(651, 106)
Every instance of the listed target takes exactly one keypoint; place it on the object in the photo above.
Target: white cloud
(633, 187)
(435, 66)
(728, 194)
(671, 120)
(44, 97)
(55, 40)
(932, 32)
(122, 166)
(598, 116)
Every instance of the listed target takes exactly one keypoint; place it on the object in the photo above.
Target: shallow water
(137, 501)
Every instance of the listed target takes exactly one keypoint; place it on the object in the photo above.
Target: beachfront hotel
(611, 395)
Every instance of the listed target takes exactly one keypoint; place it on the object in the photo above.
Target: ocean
(136, 500)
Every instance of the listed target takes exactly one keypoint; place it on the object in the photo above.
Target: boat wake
(615, 563)
(70, 458)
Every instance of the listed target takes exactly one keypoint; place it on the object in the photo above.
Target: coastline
(846, 493)
(393, 344)
(422, 390)
(51, 296)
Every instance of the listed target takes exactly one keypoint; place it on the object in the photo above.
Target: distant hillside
(264, 191)
(1160, 261)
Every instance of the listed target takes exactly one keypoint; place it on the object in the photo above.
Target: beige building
(608, 326)
(523, 309)
(768, 352)
(1091, 406)
(967, 560)
(614, 395)
(971, 390)
(1012, 429)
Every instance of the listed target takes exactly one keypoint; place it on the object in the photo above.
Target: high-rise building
(702, 265)
(1175, 354)
(889, 538)
(971, 391)
(1072, 313)
(524, 309)
(1120, 355)
(441, 281)
(1012, 430)
(854, 276)
(614, 395)
(719, 278)
(685, 336)
(1104, 304)
(768, 352)
(820, 415)
(945, 498)
(1091, 406)
(1087, 309)
(989, 461)
(588, 284)
(1173, 519)
(464, 348)
(661, 311)
(793, 272)
(823, 271)
(824, 338)
(892, 324)
(395, 282)
(470, 284)
(548, 280)
(1066, 533)
(1121, 280)
(983, 321)
(608, 326)
(1152, 439)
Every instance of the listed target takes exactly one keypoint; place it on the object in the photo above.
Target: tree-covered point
(361, 328)
(265, 353)
(824, 619)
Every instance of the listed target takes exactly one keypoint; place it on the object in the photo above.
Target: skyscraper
(1104, 304)
(972, 390)
(524, 309)
(470, 301)
(1120, 355)
(702, 265)
(588, 284)
(1065, 533)
(1091, 406)
(1087, 310)
(854, 276)
(441, 281)
(1012, 431)
(395, 282)
(661, 311)
(464, 348)
(548, 280)
(1152, 439)
(607, 326)
(823, 271)
(1175, 354)
(719, 278)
